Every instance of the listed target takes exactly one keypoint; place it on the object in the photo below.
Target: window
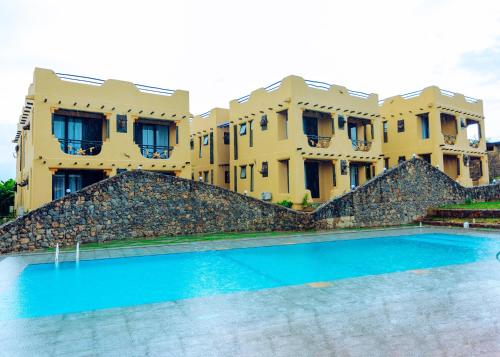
(264, 170)
(426, 157)
(368, 172)
(205, 140)
(458, 166)
(243, 129)
(341, 121)
(191, 144)
(153, 139)
(69, 181)
(205, 176)
(251, 178)
(386, 163)
(211, 148)
(263, 122)
(424, 124)
(226, 138)
(334, 176)
(401, 159)
(212, 177)
(235, 143)
(243, 172)
(199, 148)
(386, 131)
(401, 125)
(235, 173)
(177, 135)
(121, 123)
(250, 123)
(226, 177)
(79, 133)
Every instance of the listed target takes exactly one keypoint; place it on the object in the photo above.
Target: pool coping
(239, 243)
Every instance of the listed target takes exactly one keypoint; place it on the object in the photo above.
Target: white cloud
(221, 49)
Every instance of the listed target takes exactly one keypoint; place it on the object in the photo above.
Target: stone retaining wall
(402, 195)
(465, 213)
(144, 204)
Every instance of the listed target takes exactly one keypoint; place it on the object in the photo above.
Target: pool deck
(447, 311)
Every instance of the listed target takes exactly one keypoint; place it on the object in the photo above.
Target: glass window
(205, 140)
(386, 131)
(226, 138)
(401, 125)
(424, 121)
(161, 136)
(226, 177)
(243, 172)
(75, 183)
(243, 129)
(191, 144)
(121, 123)
(58, 186)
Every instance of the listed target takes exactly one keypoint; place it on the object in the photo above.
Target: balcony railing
(318, 141)
(156, 152)
(80, 147)
(474, 143)
(361, 145)
(450, 139)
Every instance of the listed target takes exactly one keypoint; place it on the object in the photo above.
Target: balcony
(316, 141)
(361, 145)
(156, 152)
(450, 139)
(474, 143)
(80, 147)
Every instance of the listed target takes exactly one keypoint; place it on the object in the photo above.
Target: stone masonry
(145, 204)
(401, 195)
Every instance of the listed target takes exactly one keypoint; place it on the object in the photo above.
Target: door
(354, 172)
(310, 127)
(311, 169)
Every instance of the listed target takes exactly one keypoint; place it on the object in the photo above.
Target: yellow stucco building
(74, 131)
(209, 143)
(298, 139)
(442, 127)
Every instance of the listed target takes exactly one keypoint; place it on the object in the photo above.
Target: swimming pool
(44, 289)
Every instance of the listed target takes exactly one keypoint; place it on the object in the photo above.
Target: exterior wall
(144, 204)
(215, 122)
(402, 195)
(434, 101)
(494, 160)
(42, 152)
(281, 143)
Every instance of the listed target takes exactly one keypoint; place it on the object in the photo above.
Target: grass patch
(164, 240)
(470, 220)
(474, 205)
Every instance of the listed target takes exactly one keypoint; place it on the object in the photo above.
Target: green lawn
(475, 205)
(136, 242)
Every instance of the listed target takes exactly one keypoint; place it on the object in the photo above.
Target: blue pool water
(43, 289)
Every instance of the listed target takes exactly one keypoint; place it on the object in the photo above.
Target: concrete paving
(447, 311)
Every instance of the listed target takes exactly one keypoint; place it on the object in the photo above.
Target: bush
(286, 203)
(305, 202)
(468, 201)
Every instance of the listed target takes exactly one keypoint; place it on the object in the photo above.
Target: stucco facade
(209, 143)
(74, 131)
(299, 139)
(444, 128)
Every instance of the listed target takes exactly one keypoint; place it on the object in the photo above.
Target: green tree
(6, 196)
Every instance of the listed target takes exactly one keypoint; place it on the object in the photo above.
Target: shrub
(305, 202)
(468, 201)
(286, 203)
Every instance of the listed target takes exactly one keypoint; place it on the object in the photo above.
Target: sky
(222, 49)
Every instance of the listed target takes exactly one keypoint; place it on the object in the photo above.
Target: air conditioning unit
(266, 196)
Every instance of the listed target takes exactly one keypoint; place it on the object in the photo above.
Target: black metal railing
(316, 141)
(361, 145)
(474, 143)
(156, 152)
(81, 147)
(450, 139)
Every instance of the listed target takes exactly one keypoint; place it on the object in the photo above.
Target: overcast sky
(220, 50)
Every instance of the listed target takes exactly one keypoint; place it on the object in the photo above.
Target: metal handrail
(316, 141)
(205, 115)
(474, 143)
(273, 86)
(98, 81)
(361, 145)
(358, 94)
(81, 147)
(156, 151)
(317, 84)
